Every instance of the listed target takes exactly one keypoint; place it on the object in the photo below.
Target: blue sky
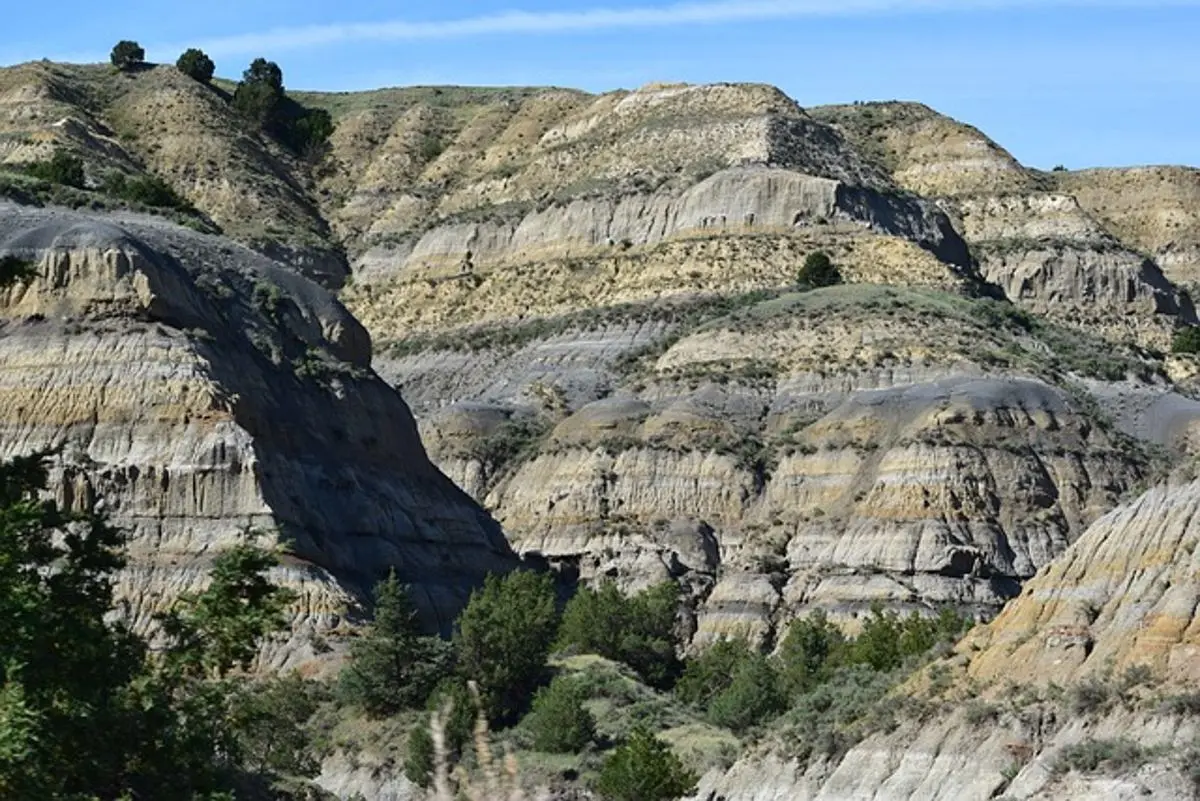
(1074, 82)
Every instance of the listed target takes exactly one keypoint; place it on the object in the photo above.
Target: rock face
(809, 450)
(199, 389)
(1155, 209)
(1123, 596)
(1046, 238)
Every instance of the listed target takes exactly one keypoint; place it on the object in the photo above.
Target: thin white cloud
(605, 19)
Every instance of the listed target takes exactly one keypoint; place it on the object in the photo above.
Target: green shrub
(148, 190)
(979, 712)
(393, 666)
(1111, 756)
(711, 672)
(833, 715)
(1186, 340)
(752, 697)
(16, 270)
(558, 721)
(504, 637)
(62, 168)
(126, 55)
(811, 648)
(419, 755)
(1091, 696)
(196, 65)
(638, 630)
(307, 132)
(819, 271)
(644, 769)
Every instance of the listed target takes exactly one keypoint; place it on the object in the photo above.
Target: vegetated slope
(158, 121)
(1049, 250)
(199, 389)
(1083, 687)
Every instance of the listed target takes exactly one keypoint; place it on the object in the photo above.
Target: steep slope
(200, 389)
(1112, 622)
(159, 121)
(813, 449)
(1049, 249)
(586, 300)
(553, 202)
(1125, 595)
(1155, 209)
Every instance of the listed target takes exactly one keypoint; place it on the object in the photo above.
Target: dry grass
(492, 780)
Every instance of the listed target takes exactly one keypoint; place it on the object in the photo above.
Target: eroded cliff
(197, 390)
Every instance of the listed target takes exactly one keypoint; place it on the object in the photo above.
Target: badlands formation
(590, 305)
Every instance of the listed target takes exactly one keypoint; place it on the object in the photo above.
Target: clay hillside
(789, 359)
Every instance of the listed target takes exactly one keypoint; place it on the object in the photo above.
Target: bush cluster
(63, 168)
(738, 688)
(1186, 340)
(507, 631)
(637, 630)
(148, 190)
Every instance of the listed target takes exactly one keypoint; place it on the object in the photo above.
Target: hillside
(611, 365)
(198, 390)
(589, 301)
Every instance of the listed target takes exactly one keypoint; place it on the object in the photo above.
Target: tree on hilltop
(260, 92)
(196, 65)
(127, 54)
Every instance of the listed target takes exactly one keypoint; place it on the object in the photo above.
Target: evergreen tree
(197, 65)
(752, 697)
(126, 55)
(819, 271)
(811, 649)
(63, 667)
(711, 672)
(221, 628)
(638, 631)
(259, 95)
(504, 637)
(86, 712)
(644, 769)
(559, 722)
(393, 666)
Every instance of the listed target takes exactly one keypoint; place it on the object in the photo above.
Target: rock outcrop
(810, 450)
(199, 389)
(1154, 209)
(1115, 615)
(1047, 239)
